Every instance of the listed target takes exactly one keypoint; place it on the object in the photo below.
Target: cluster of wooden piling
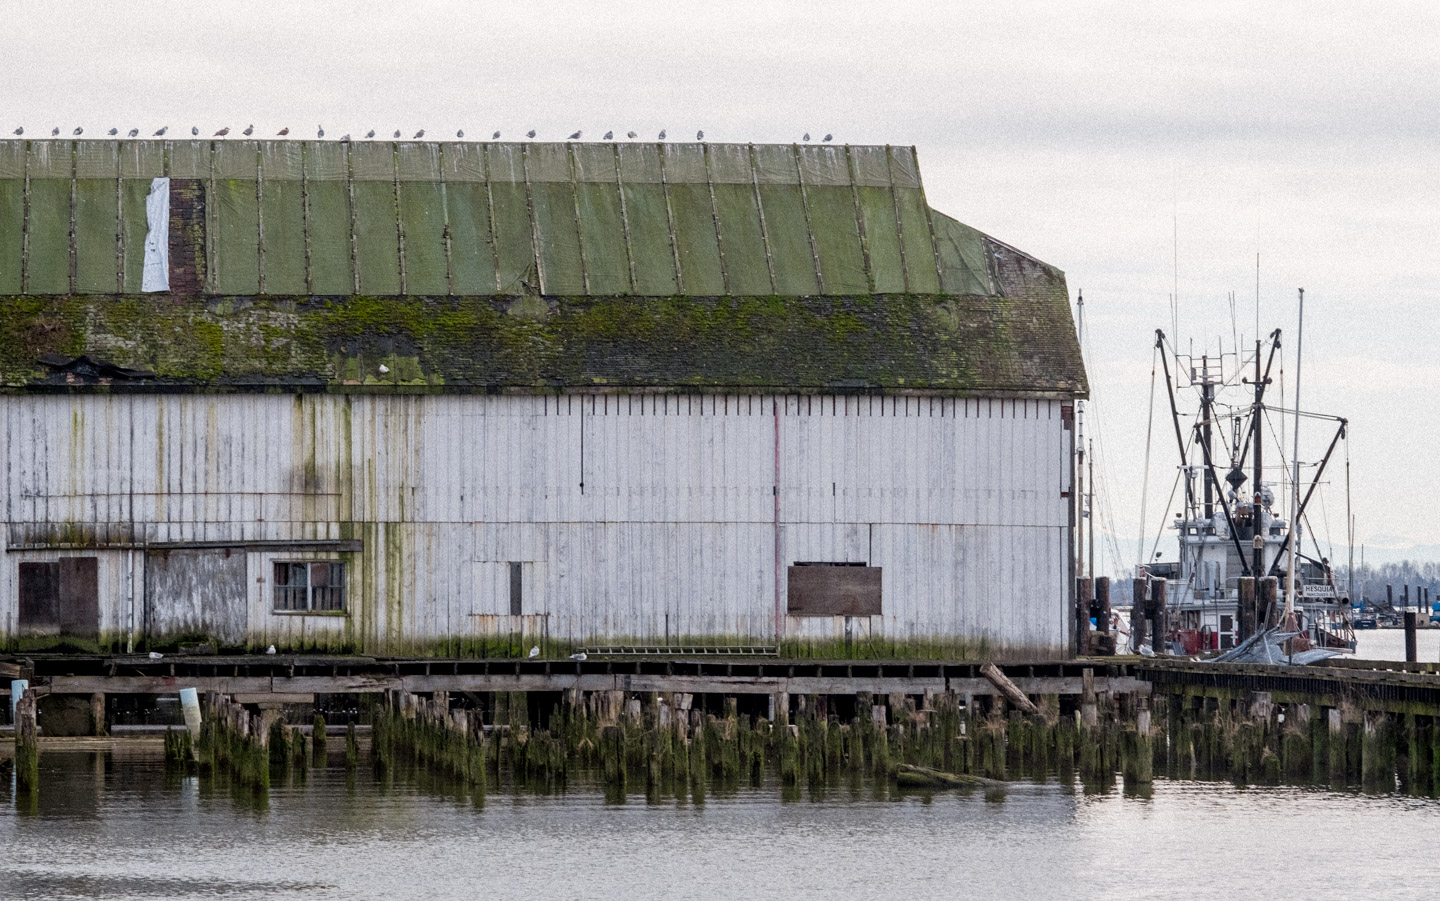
(234, 741)
(1255, 740)
(663, 744)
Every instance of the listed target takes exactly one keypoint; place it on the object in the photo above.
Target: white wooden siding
(634, 515)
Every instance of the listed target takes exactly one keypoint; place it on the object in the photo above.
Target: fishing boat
(1242, 568)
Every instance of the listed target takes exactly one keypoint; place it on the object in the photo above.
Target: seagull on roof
(284, 131)
(575, 136)
(20, 130)
(806, 138)
(530, 133)
(345, 139)
(580, 656)
(55, 131)
(370, 133)
(223, 132)
(495, 136)
(397, 133)
(249, 130)
(699, 135)
(77, 132)
(112, 132)
(662, 134)
(460, 133)
(418, 135)
(160, 132)
(631, 135)
(319, 131)
(609, 135)
(194, 129)
(828, 138)
(133, 133)
(534, 652)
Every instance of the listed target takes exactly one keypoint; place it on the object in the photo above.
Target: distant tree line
(1371, 581)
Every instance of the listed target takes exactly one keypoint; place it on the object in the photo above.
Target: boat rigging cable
(1145, 478)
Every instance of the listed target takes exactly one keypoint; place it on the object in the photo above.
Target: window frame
(327, 599)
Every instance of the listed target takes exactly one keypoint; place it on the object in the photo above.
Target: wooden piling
(1267, 613)
(1139, 606)
(98, 724)
(27, 744)
(1246, 607)
(1159, 625)
(1084, 599)
(1102, 604)
(1411, 653)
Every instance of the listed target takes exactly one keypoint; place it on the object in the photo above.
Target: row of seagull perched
(369, 135)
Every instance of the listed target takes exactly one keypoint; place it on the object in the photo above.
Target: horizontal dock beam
(291, 678)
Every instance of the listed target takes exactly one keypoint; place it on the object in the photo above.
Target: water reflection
(117, 826)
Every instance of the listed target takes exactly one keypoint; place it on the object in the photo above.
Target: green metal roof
(518, 266)
(383, 218)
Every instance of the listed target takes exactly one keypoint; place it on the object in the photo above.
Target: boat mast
(1255, 413)
(1295, 481)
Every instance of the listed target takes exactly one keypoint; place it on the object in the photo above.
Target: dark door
(60, 598)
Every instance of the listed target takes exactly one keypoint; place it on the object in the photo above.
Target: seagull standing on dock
(222, 132)
(160, 132)
(249, 130)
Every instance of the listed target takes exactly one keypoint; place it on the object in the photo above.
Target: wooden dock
(290, 679)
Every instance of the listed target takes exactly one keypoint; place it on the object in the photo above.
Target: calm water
(1389, 644)
(115, 827)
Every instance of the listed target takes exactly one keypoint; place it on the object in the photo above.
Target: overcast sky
(1089, 135)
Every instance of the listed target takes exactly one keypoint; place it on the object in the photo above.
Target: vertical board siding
(632, 516)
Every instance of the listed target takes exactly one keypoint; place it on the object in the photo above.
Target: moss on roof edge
(946, 343)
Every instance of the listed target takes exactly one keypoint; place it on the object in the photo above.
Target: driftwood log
(1009, 689)
(908, 776)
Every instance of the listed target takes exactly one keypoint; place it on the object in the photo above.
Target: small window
(304, 587)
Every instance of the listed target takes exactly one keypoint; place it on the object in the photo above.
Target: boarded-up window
(310, 586)
(833, 589)
(60, 598)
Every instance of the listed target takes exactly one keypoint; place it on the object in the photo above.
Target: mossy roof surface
(463, 266)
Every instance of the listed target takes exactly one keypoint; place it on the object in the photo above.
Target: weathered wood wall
(633, 517)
